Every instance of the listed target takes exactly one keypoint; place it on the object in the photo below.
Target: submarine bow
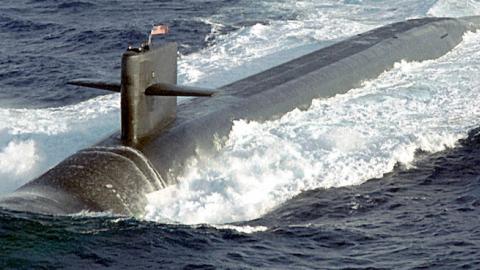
(157, 137)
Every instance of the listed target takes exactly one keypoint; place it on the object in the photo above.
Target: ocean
(386, 176)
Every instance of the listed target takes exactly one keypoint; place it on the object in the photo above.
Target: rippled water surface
(386, 176)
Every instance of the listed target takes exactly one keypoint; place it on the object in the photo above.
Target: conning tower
(148, 90)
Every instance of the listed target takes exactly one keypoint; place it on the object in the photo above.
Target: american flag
(159, 30)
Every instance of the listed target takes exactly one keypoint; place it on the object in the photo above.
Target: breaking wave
(340, 141)
(33, 140)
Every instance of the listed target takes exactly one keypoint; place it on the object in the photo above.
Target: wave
(454, 8)
(9, 24)
(76, 5)
(267, 34)
(33, 140)
(340, 141)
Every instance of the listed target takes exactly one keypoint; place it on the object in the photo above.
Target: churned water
(385, 176)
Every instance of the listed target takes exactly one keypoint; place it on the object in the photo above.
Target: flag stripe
(159, 30)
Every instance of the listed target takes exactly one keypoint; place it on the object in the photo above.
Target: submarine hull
(114, 177)
(203, 124)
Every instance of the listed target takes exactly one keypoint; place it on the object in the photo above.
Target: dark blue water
(422, 218)
(46, 43)
(425, 217)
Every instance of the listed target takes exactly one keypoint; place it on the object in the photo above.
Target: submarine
(158, 136)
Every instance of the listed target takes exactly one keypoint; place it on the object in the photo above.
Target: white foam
(315, 24)
(455, 8)
(33, 140)
(340, 141)
(242, 229)
(18, 160)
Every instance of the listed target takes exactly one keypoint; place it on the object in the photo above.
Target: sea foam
(344, 140)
